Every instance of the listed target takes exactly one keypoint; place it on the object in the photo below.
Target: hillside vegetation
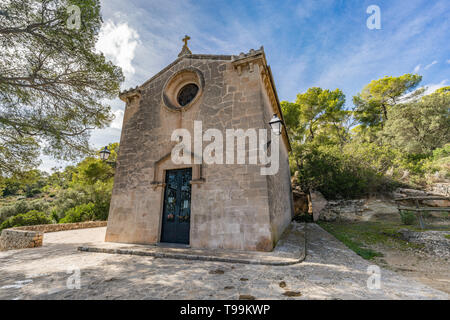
(78, 193)
(395, 135)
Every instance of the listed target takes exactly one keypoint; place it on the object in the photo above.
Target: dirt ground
(381, 235)
(431, 271)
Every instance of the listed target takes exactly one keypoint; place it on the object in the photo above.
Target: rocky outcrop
(436, 190)
(318, 203)
(440, 189)
(300, 202)
(404, 192)
(357, 210)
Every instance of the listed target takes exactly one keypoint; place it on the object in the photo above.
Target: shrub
(30, 218)
(67, 199)
(23, 206)
(81, 213)
(31, 192)
(407, 217)
(345, 173)
(101, 211)
(54, 216)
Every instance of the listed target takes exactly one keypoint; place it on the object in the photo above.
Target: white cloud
(448, 61)
(118, 42)
(118, 119)
(432, 87)
(430, 65)
(417, 68)
(48, 163)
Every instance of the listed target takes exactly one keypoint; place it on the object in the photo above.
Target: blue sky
(308, 43)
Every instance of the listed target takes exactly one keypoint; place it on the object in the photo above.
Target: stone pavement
(330, 271)
(290, 249)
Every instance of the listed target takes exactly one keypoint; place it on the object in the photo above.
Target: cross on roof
(186, 39)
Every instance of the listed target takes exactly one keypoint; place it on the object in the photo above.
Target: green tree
(317, 117)
(321, 110)
(420, 126)
(373, 104)
(53, 83)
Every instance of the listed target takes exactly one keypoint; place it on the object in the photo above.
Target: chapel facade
(215, 206)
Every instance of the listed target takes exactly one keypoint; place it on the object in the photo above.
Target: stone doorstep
(291, 249)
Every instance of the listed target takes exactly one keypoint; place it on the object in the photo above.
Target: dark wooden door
(177, 207)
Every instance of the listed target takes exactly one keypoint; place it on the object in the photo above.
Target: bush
(31, 192)
(81, 213)
(23, 206)
(343, 173)
(101, 211)
(67, 199)
(30, 218)
(407, 217)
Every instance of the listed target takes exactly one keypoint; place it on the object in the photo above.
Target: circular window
(187, 94)
(183, 89)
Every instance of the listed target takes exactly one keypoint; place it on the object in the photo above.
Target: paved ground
(289, 250)
(330, 271)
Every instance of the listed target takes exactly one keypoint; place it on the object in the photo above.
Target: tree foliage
(420, 126)
(30, 218)
(90, 183)
(396, 137)
(375, 101)
(317, 117)
(53, 83)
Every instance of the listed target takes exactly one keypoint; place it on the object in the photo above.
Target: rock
(218, 271)
(318, 203)
(373, 207)
(358, 210)
(411, 192)
(442, 189)
(435, 243)
(437, 203)
(292, 294)
(300, 202)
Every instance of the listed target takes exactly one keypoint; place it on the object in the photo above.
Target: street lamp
(104, 154)
(276, 124)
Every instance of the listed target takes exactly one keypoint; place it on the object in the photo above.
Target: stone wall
(18, 239)
(46, 228)
(32, 236)
(279, 185)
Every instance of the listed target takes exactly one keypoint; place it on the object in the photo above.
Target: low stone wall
(33, 236)
(18, 239)
(46, 228)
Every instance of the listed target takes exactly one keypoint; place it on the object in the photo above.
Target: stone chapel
(214, 206)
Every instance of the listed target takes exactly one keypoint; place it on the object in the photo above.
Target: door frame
(162, 202)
